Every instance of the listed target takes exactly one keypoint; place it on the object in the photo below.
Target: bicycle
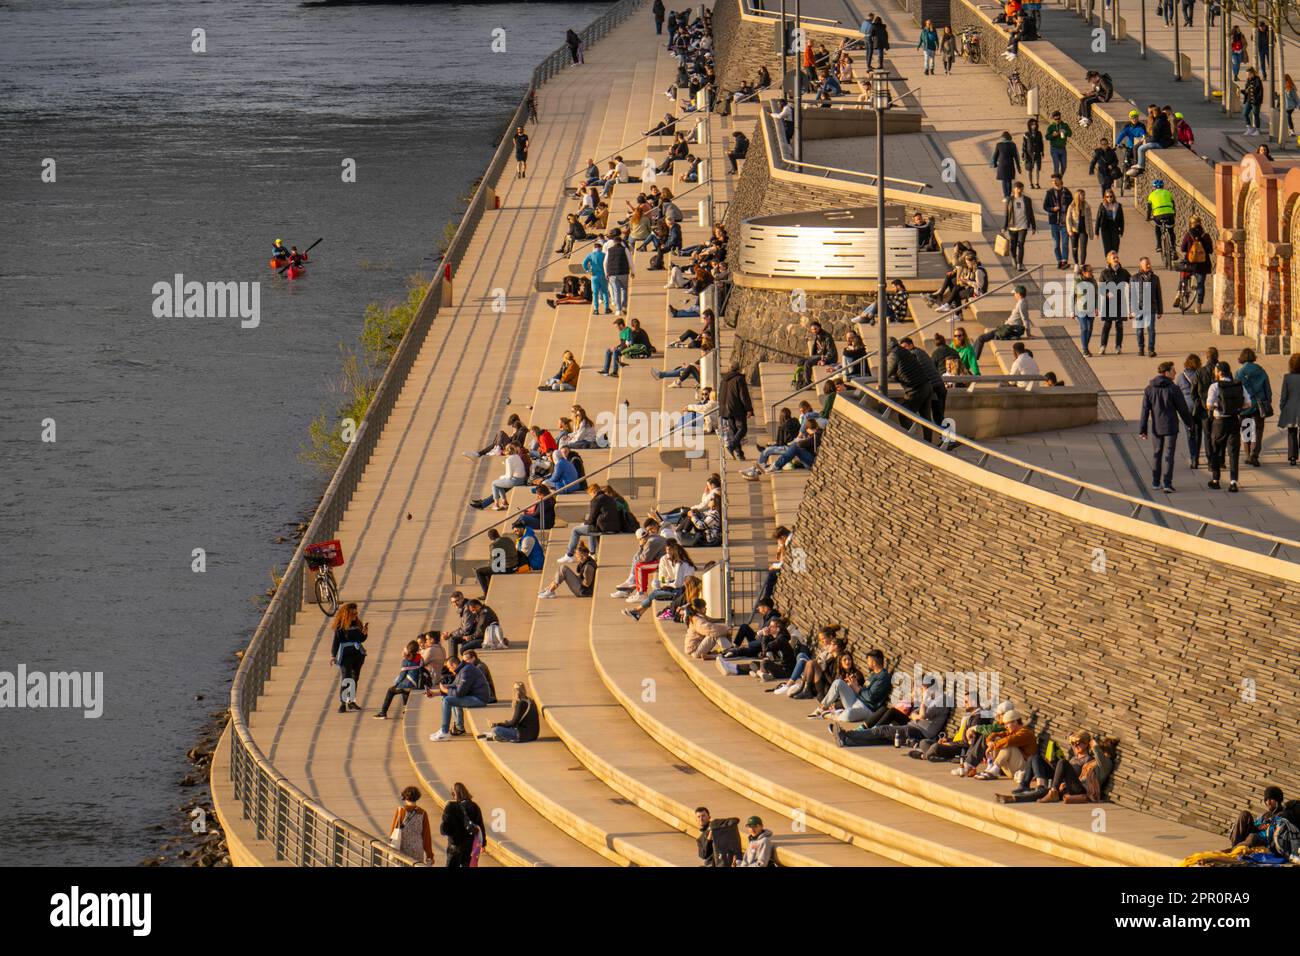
(970, 45)
(1016, 89)
(1165, 243)
(322, 558)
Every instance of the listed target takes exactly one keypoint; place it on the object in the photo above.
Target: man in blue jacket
(469, 689)
(1163, 405)
(563, 477)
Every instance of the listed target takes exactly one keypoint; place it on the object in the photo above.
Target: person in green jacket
(1058, 135)
(928, 44)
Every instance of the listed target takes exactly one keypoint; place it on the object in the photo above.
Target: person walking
(1148, 305)
(1288, 409)
(1058, 136)
(879, 41)
(1114, 305)
(462, 825)
(1085, 306)
(594, 265)
(1198, 430)
(1225, 402)
(658, 10)
(1236, 51)
(1055, 203)
(1078, 223)
(1110, 222)
(521, 153)
(1263, 47)
(1252, 97)
(1163, 406)
(574, 43)
(1018, 222)
(348, 654)
(1031, 152)
(1252, 375)
(1007, 163)
(903, 366)
(735, 408)
(928, 44)
(618, 269)
(948, 47)
(1197, 248)
(410, 833)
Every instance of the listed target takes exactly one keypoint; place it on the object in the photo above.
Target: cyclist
(1160, 207)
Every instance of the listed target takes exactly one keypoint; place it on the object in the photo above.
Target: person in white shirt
(703, 409)
(1016, 326)
(1024, 365)
(786, 118)
(516, 473)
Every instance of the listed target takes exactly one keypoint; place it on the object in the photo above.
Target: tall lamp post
(798, 83)
(880, 100)
(785, 89)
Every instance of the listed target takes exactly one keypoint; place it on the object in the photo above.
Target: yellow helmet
(279, 242)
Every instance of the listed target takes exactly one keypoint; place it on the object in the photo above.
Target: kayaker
(279, 252)
(296, 258)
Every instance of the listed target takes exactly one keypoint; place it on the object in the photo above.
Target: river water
(174, 434)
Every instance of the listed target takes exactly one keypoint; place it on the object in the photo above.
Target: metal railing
(753, 11)
(949, 317)
(300, 829)
(745, 585)
(1135, 507)
(783, 155)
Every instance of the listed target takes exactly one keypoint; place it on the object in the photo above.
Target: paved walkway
(964, 115)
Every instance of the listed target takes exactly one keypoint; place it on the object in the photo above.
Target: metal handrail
(950, 317)
(1137, 504)
(585, 479)
(759, 12)
(781, 151)
(301, 829)
(586, 242)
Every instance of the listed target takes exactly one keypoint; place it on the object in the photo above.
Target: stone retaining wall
(1187, 653)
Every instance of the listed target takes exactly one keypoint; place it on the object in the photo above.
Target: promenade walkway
(964, 115)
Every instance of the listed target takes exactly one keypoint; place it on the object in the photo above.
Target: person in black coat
(735, 408)
(461, 818)
(938, 388)
(1031, 152)
(879, 41)
(1110, 222)
(659, 10)
(1163, 406)
(523, 726)
(1105, 163)
(905, 368)
(1007, 163)
(348, 654)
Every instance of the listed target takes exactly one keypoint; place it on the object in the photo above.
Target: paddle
(304, 252)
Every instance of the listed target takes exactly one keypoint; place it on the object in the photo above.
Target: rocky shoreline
(200, 840)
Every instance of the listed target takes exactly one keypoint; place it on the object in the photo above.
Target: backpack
(1196, 251)
(1232, 397)
(636, 351)
(493, 639)
(1291, 810)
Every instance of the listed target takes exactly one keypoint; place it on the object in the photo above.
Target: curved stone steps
(1054, 830)
(602, 735)
(689, 725)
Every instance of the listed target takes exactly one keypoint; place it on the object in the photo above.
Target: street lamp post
(785, 89)
(880, 100)
(798, 83)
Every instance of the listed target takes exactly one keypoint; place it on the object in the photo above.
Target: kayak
(293, 272)
(281, 263)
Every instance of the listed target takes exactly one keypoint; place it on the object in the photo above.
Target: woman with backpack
(523, 726)
(1197, 249)
(462, 825)
(1252, 375)
(412, 676)
(410, 834)
(1225, 401)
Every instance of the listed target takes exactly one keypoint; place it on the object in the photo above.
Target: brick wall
(1158, 650)
(742, 46)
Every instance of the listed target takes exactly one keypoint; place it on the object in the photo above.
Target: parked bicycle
(322, 558)
(1016, 89)
(969, 48)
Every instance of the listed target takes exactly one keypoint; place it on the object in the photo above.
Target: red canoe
(294, 272)
(281, 263)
